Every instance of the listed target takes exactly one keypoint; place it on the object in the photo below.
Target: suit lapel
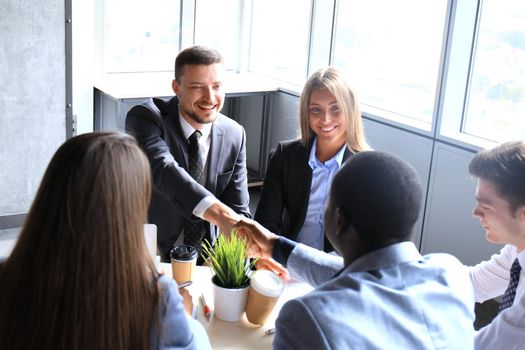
(301, 182)
(214, 155)
(346, 155)
(171, 111)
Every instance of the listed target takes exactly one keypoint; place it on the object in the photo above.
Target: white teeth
(328, 129)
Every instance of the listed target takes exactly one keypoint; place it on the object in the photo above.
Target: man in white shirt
(500, 196)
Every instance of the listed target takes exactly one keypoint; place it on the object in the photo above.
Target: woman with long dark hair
(80, 276)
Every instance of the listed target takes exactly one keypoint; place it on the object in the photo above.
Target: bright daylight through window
(279, 40)
(221, 36)
(390, 51)
(140, 38)
(496, 100)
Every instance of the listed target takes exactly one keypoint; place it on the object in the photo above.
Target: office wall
(449, 224)
(32, 97)
(83, 47)
(416, 149)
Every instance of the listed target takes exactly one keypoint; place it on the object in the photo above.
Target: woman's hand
(274, 266)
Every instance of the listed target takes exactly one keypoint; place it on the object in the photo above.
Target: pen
(270, 331)
(185, 284)
(206, 308)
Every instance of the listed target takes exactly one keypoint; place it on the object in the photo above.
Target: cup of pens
(265, 289)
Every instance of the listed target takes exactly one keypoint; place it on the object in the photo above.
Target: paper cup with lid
(183, 261)
(265, 289)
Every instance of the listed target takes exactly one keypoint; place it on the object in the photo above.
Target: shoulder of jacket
(227, 122)
(291, 145)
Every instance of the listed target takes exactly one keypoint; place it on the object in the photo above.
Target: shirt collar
(313, 162)
(521, 259)
(188, 130)
(391, 255)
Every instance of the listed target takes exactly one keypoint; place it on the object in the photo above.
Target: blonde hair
(331, 79)
(80, 276)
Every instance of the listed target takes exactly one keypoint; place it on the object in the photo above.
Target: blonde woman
(80, 276)
(300, 172)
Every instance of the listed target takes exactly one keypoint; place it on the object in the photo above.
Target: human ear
(521, 212)
(175, 86)
(341, 224)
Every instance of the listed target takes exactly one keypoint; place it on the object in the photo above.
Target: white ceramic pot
(229, 304)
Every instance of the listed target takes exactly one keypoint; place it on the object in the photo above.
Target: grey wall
(449, 224)
(283, 123)
(417, 150)
(32, 96)
(249, 112)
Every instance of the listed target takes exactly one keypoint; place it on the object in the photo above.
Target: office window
(496, 98)
(279, 40)
(391, 51)
(217, 24)
(140, 36)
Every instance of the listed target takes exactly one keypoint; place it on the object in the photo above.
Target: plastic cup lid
(183, 252)
(267, 283)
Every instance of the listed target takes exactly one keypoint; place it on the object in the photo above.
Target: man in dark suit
(197, 155)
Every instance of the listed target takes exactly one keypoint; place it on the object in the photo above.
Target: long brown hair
(332, 79)
(80, 276)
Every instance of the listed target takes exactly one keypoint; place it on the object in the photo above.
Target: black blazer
(156, 126)
(286, 190)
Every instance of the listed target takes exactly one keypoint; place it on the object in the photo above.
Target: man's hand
(260, 240)
(221, 216)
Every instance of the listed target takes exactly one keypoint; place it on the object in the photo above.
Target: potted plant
(231, 265)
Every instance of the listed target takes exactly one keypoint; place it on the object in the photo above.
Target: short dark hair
(504, 166)
(380, 195)
(196, 55)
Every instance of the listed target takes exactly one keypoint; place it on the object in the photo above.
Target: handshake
(260, 243)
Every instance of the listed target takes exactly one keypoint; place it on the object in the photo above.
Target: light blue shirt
(391, 298)
(312, 232)
(177, 331)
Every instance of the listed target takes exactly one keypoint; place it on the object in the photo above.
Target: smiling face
(201, 94)
(325, 118)
(501, 224)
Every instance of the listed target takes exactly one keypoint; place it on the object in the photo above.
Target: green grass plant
(229, 260)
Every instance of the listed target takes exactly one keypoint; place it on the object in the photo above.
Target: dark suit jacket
(286, 190)
(156, 126)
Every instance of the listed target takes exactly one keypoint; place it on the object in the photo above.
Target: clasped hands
(260, 241)
(260, 244)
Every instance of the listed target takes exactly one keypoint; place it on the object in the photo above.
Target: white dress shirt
(204, 148)
(490, 279)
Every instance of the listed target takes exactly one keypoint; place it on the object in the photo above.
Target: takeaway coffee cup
(265, 289)
(183, 261)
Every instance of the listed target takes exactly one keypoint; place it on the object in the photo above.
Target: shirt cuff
(282, 249)
(203, 205)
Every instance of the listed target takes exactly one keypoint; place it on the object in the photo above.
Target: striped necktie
(195, 229)
(510, 293)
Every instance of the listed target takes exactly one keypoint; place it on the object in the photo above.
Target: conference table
(235, 335)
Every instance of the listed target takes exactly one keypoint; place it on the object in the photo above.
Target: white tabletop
(242, 334)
